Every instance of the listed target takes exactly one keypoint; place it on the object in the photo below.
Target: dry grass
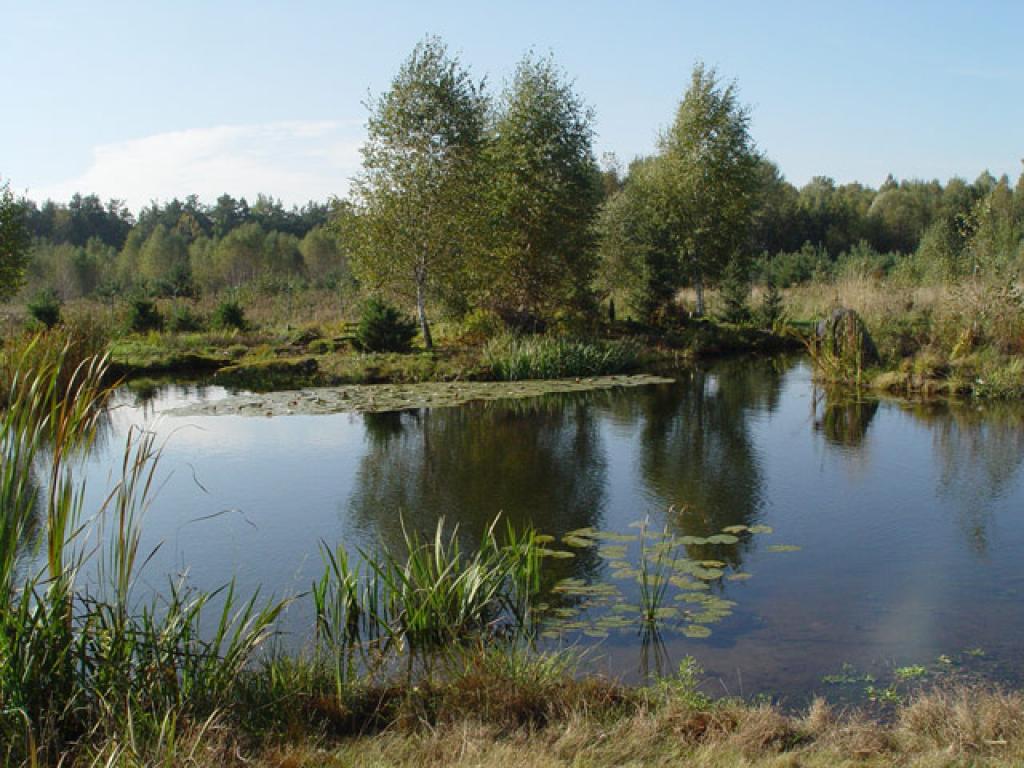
(952, 728)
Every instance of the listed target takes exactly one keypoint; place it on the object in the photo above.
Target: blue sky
(148, 100)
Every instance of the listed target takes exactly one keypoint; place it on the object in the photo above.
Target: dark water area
(902, 526)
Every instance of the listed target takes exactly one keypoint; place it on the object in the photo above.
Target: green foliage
(684, 686)
(545, 188)
(772, 309)
(143, 315)
(79, 658)
(734, 292)
(229, 314)
(45, 308)
(687, 211)
(14, 242)
(382, 328)
(706, 178)
(184, 319)
(513, 358)
(417, 199)
(481, 325)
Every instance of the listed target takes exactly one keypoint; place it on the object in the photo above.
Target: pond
(846, 540)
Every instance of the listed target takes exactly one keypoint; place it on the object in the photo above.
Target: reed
(511, 358)
(429, 597)
(81, 659)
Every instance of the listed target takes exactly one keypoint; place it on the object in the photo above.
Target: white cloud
(293, 161)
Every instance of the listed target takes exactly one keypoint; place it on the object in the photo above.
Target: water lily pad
(734, 529)
(693, 541)
(615, 552)
(722, 538)
(761, 529)
(557, 554)
(741, 576)
(696, 631)
(623, 538)
(625, 573)
(784, 548)
(578, 542)
(708, 574)
(587, 532)
(543, 538)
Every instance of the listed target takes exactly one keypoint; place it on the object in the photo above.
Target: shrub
(143, 315)
(183, 319)
(229, 314)
(481, 324)
(45, 308)
(771, 310)
(735, 292)
(382, 328)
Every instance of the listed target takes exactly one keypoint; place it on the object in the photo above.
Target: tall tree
(416, 196)
(707, 179)
(14, 242)
(547, 189)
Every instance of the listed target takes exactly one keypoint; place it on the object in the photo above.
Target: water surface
(909, 520)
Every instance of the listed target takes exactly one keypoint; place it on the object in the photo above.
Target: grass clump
(83, 661)
(512, 358)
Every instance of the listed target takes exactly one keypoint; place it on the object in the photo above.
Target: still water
(902, 527)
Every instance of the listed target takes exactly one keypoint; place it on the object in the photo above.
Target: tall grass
(511, 357)
(81, 659)
(430, 597)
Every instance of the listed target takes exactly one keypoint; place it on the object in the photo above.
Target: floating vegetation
(784, 548)
(912, 672)
(655, 581)
(847, 675)
(377, 398)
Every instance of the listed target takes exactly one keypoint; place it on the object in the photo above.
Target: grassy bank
(270, 352)
(962, 339)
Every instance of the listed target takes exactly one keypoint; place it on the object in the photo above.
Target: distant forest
(467, 200)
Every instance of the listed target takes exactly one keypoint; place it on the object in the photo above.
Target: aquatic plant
(512, 357)
(427, 597)
(84, 656)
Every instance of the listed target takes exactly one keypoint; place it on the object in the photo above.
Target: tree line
(469, 200)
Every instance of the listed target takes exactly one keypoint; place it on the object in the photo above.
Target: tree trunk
(421, 308)
(698, 285)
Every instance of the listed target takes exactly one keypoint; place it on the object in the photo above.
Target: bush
(512, 358)
(480, 325)
(769, 314)
(382, 328)
(143, 315)
(735, 293)
(229, 314)
(183, 319)
(45, 308)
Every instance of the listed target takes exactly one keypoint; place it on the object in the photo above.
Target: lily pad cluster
(651, 582)
(376, 398)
